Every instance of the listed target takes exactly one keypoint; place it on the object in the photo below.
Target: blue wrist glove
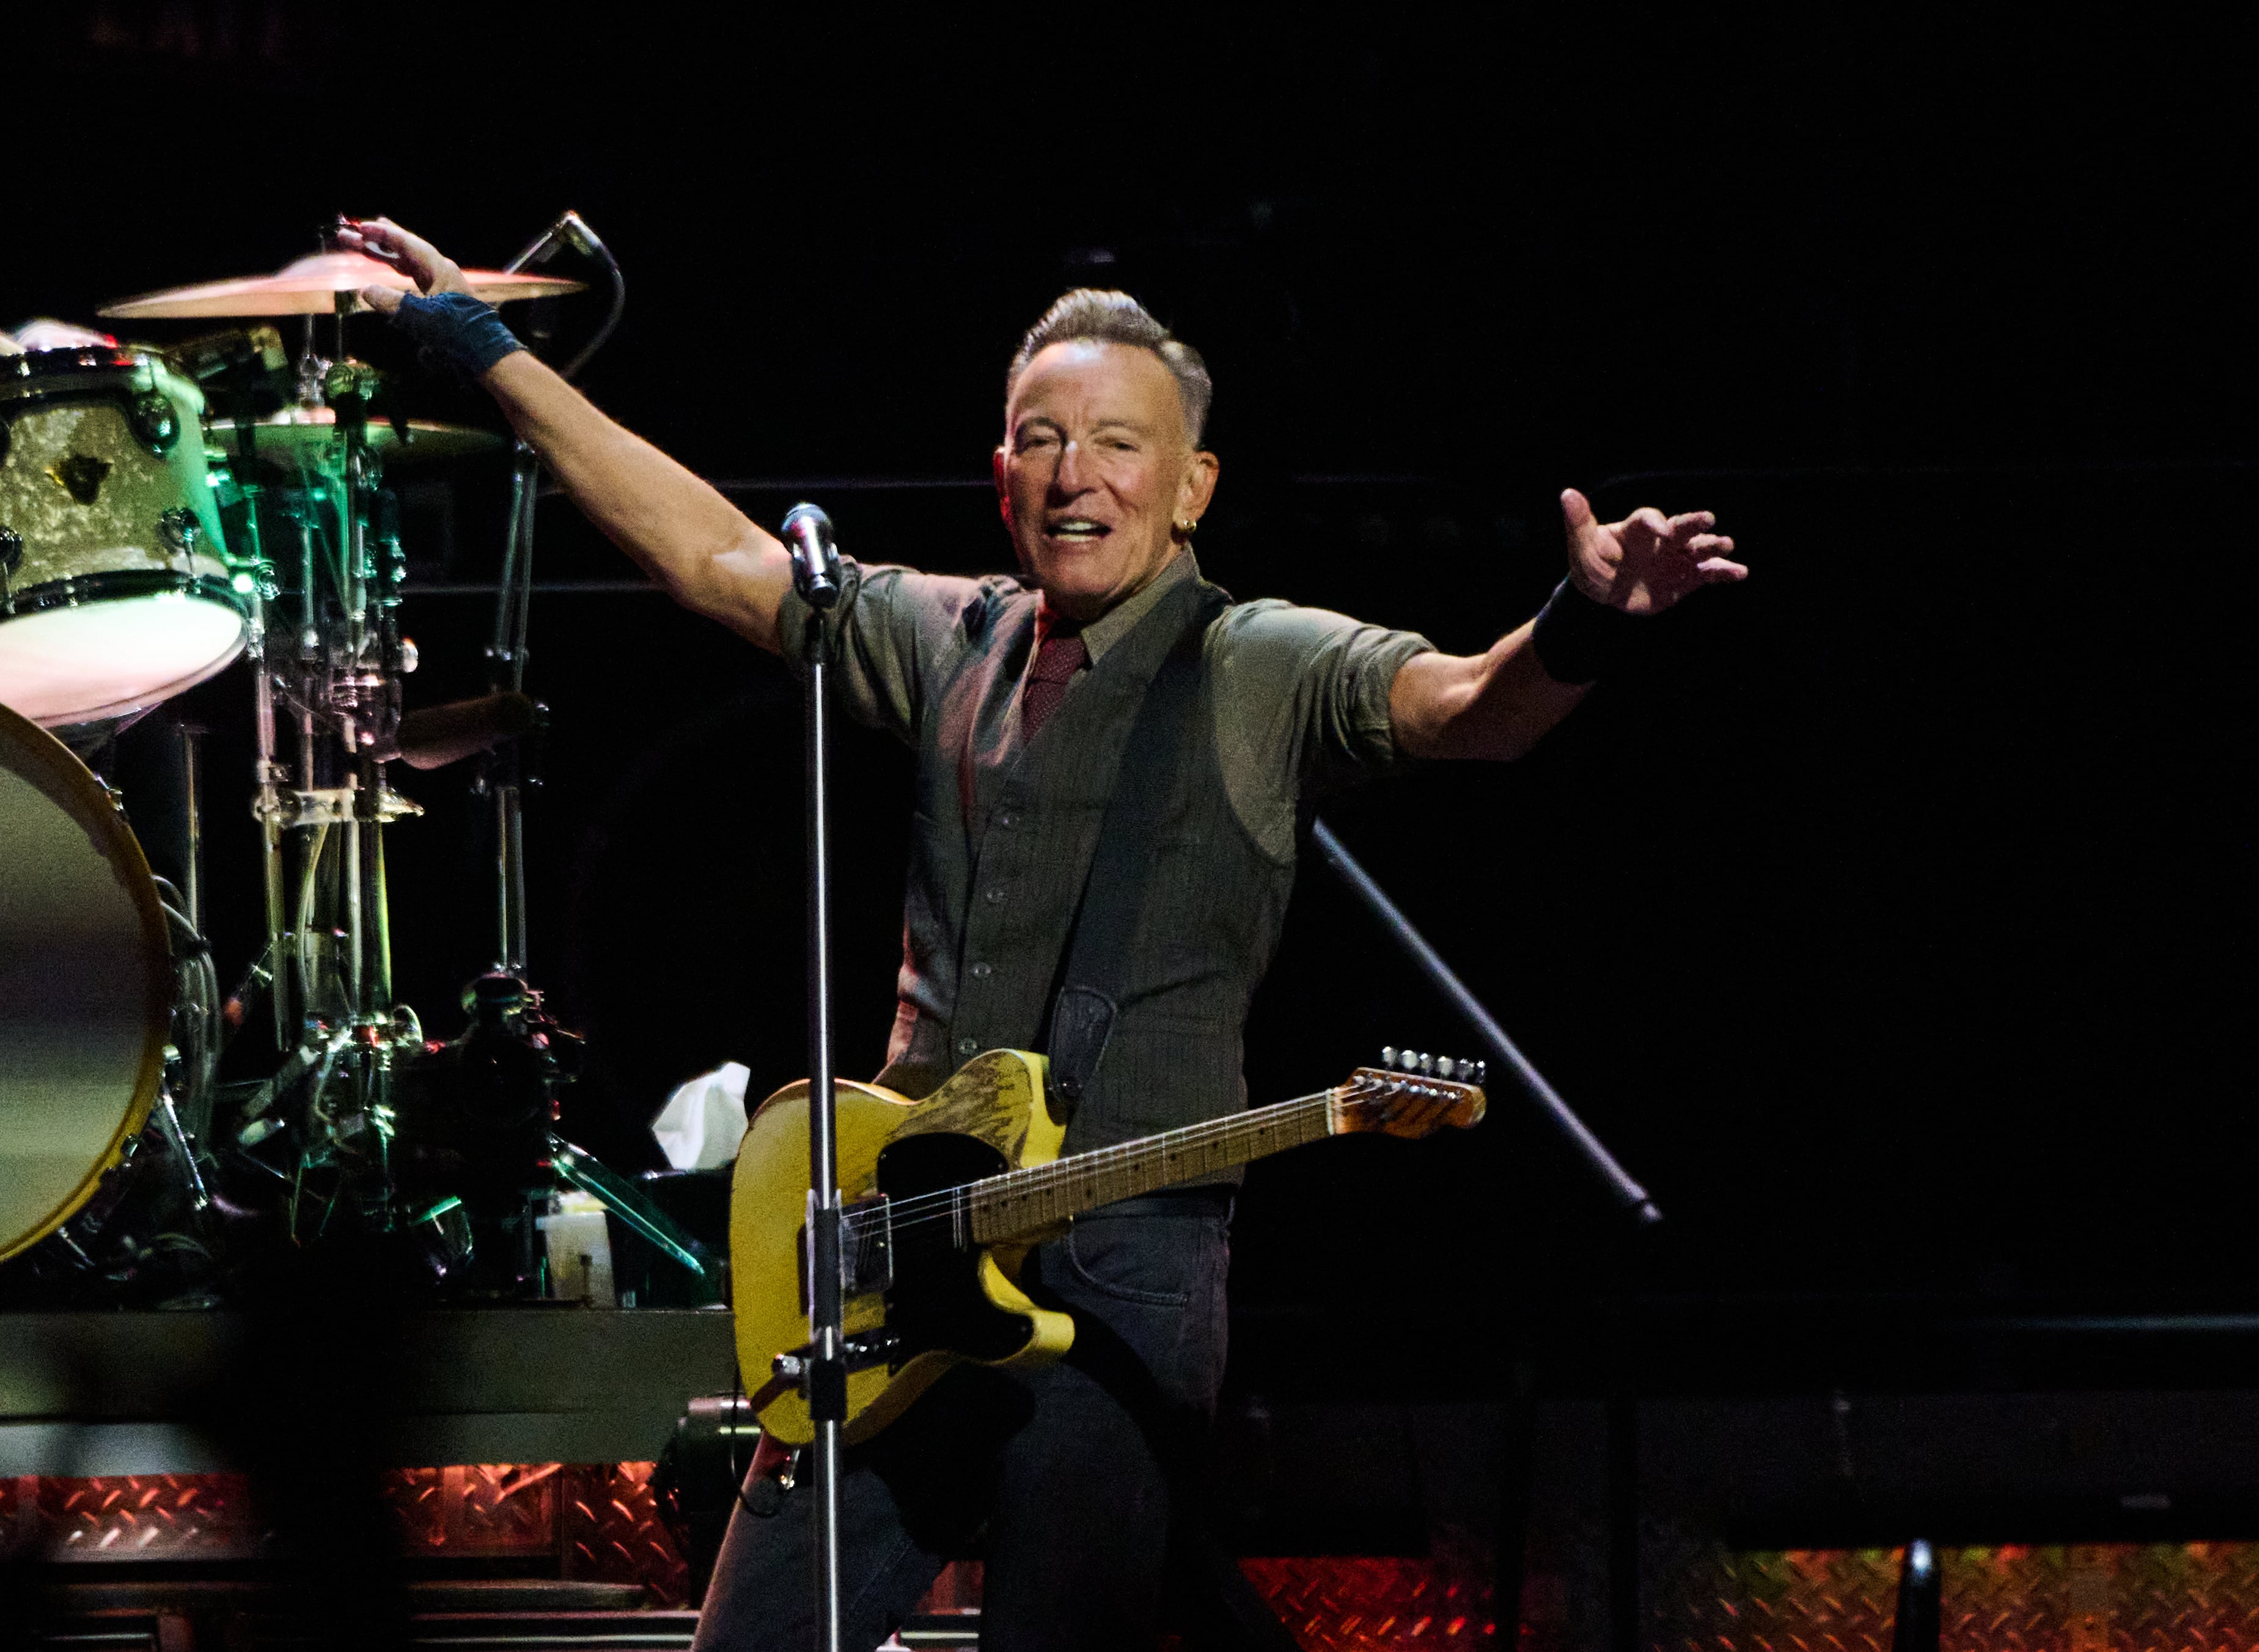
(455, 333)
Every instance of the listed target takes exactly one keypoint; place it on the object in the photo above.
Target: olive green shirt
(1296, 700)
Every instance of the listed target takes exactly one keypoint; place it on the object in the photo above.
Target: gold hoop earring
(1186, 528)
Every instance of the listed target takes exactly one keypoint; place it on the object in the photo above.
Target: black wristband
(455, 333)
(1578, 640)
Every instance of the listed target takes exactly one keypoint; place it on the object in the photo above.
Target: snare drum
(113, 592)
(86, 985)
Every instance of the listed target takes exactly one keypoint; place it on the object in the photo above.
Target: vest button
(967, 1046)
(996, 895)
(1008, 820)
(982, 971)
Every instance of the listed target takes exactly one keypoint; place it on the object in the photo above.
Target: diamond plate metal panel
(140, 1517)
(476, 1511)
(1334, 1604)
(613, 1533)
(2097, 1597)
(1802, 1601)
(2151, 1597)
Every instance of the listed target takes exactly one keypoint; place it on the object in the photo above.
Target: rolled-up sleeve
(1306, 690)
(892, 633)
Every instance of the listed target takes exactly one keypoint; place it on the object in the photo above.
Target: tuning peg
(1482, 1072)
(1388, 1054)
(1428, 1065)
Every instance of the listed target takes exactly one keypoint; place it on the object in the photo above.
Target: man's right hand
(413, 256)
(698, 546)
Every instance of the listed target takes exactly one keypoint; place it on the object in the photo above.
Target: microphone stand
(1556, 1112)
(503, 777)
(1623, 1494)
(815, 575)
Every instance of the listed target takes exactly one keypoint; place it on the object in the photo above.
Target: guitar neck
(1043, 1195)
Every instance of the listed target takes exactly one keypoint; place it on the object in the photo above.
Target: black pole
(824, 1373)
(1557, 1112)
(1920, 1615)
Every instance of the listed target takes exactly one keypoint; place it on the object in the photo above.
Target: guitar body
(950, 1300)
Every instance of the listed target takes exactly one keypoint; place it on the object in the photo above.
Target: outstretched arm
(704, 552)
(1498, 704)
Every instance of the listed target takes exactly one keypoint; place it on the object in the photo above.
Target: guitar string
(1041, 1178)
(1252, 1124)
(941, 1205)
(915, 1208)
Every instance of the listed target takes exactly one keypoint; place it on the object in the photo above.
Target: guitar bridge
(866, 1249)
(859, 1352)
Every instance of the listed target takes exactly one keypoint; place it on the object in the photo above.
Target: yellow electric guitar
(946, 1195)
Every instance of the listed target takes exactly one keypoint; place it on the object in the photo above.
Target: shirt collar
(1118, 621)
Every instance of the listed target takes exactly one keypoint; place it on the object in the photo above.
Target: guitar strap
(1097, 969)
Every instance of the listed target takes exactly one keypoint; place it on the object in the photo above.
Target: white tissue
(703, 1121)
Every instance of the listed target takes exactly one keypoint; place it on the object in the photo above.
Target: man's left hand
(1648, 561)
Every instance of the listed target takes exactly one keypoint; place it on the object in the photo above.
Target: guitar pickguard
(937, 1301)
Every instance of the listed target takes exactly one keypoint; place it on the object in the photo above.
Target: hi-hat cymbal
(300, 433)
(310, 286)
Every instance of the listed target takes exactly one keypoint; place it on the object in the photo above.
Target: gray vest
(1030, 813)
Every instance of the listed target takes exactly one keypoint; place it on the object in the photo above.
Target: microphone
(570, 229)
(208, 355)
(807, 534)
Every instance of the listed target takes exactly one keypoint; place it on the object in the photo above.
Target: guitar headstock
(1412, 1093)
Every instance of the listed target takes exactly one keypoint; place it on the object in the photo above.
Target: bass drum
(86, 985)
(113, 592)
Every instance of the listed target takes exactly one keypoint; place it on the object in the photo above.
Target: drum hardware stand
(504, 776)
(821, 1367)
(334, 1018)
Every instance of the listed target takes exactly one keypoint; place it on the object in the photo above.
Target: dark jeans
(1044, 1472)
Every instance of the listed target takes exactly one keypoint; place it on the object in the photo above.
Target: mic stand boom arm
(1625, 1191)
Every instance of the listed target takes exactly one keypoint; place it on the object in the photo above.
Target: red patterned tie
(1060, 657)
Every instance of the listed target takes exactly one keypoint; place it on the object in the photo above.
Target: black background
(1886, 920)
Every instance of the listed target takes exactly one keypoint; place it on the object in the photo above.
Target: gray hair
(1112, 317)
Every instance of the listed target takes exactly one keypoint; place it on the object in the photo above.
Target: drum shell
(81, 406)
(102, 508)
(86, 985)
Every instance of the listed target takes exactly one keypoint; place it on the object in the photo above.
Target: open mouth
(1076, 530)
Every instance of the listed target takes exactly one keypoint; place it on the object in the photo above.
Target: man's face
(1095, 468)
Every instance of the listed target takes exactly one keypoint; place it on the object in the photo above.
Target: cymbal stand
(505, 777)
(336, 1025)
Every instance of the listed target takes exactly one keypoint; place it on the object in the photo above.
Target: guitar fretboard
(1042, 1195)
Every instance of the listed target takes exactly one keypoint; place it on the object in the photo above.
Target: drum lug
(179, 532)
(156, 421)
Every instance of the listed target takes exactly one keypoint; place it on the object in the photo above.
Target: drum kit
(164, 511)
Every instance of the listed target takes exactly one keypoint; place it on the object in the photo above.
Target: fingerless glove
(455, 333)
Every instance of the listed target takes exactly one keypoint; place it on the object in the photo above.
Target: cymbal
(301, 432)
(310, 286)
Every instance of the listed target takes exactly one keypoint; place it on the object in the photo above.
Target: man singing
(1020, 698)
